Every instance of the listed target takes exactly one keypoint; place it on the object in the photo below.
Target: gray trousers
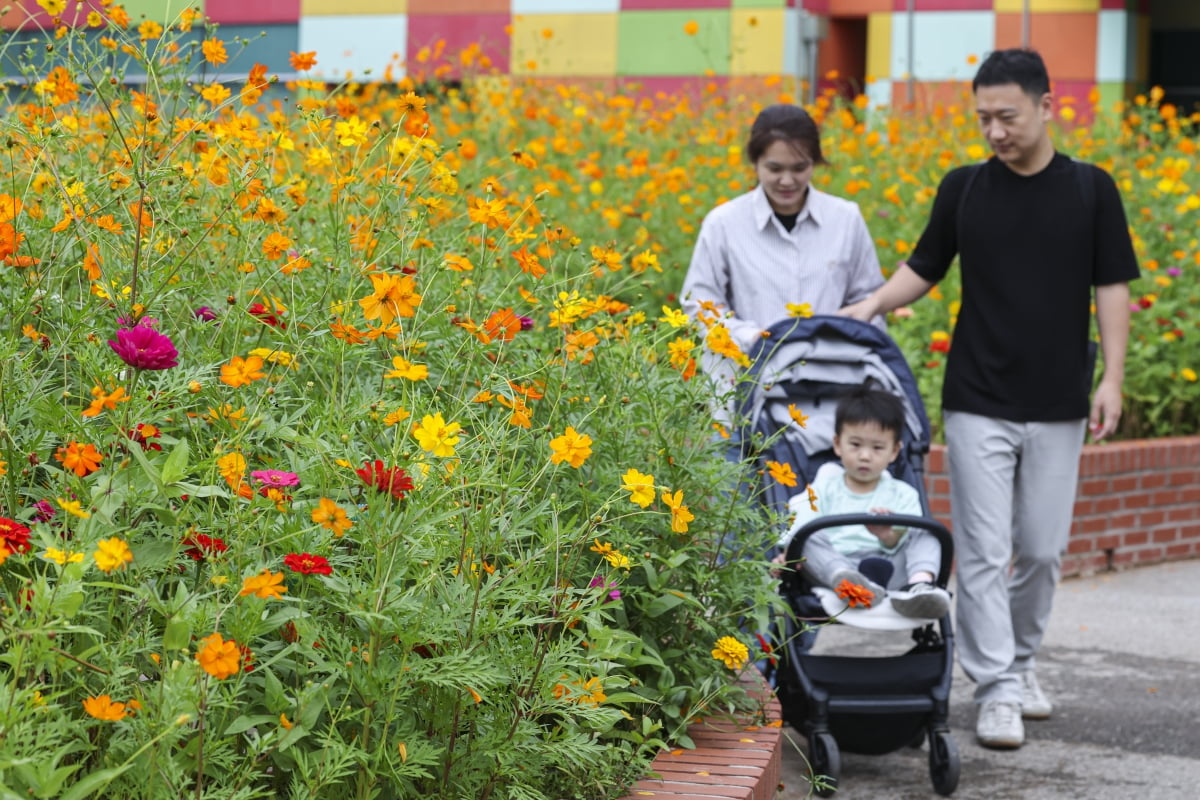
(1012, 495)
(919, 551)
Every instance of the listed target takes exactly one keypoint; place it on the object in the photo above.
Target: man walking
(1034, 231)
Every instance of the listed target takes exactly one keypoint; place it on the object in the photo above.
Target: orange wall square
(1066, 41)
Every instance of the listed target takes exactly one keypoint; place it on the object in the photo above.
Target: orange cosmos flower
(331, 516)
(276, 246)
(214, 51)
(782, 473)
(104, 400)
(393, 295)
(529, 262)
(302, 61)
(266, 584)
(241, 371)
(102, 707)
(219, 657)
(84, 459)
(572, 447)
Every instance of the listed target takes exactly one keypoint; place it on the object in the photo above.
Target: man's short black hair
(1018, 65)
(862, 404)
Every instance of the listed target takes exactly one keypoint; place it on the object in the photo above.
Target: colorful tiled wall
(1087, 43)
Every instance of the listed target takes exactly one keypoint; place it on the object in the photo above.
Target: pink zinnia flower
(275, 479)
(145, 348)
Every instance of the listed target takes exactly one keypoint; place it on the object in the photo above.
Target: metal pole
(1024, 24)
(912, 90)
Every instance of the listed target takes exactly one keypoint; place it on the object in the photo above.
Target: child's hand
(781, 559)
(886, 534)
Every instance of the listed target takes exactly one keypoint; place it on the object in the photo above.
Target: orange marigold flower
(83, 459)
(854, 594)
(214, 51)
(220, 657)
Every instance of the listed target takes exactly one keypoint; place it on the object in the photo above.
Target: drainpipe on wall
(1024, 24)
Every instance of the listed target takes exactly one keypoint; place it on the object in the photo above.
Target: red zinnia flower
(201, 546)
(14, 534)
(145, 348)
(307, 564)
(267, 315)
(390, 480)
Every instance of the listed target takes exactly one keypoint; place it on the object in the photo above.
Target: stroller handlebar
(940, 532)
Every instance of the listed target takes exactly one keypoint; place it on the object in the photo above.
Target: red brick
(1165, 535)
(1084, 508)
(1091, 525)
(939, 505)
(1122, 559)
(1107, 503)
(1189, 531)
(936, 463)
(1081, 544)
(1184, 477)
(1182, 514)
(1147, 555)
(1190, 495)
(1108, 542)
(941, 486)
(1135, 500)
(1125, 483)
(1152, 480)
(1094, 486)
(1135, 538)
(1165, 498)
(1148, 519)
(1122, 521)
(1183, 550)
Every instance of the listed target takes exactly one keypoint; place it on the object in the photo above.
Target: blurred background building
(896, 51)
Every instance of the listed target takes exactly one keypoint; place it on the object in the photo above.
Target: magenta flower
(275, 479)
(205, 313)
(145, 348)
(1174, 272)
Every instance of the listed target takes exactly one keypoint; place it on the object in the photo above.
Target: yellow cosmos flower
(436, 436)
(572, 447)
(680, 515)
(407, 370)
(73, 507)
(331, 516)
(639, 486)
(62, 557)
(673, 317)
(112, 554)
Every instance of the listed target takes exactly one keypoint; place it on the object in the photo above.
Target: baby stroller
(868, 705)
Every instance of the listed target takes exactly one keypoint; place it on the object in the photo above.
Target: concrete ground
(1121, 662)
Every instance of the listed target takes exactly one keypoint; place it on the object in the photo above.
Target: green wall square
(157, 10)
(656, 42)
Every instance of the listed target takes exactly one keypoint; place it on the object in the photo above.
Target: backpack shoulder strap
(972, 173)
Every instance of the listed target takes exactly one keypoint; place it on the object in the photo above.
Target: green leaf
(246, 722)
(95, 780)
(662, 604)
(177, 635)
(177, 462)
(276, 696)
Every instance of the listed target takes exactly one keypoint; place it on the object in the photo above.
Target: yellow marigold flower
(266, 584)
(436, 436)
(219, 657)
(103, 707)
(572, 447)
(331, 516)
(729, 651)
(1188, 374)
(639, 486)
(112, 554)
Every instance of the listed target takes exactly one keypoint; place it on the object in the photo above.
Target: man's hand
(1106, 410)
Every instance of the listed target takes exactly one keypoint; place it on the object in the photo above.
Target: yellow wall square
(564, 44)
(1048, 5)
(313, 8)
(756, 41)
(879, 46)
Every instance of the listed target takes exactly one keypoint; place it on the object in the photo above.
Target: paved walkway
(1121, 661)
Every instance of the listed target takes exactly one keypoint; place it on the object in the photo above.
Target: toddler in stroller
(853, 703)
(859, 562)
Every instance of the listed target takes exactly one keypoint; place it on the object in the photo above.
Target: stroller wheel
(825, 762)
(944, 763)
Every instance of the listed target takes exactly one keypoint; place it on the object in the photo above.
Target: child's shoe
(921, 601)
(856, 577)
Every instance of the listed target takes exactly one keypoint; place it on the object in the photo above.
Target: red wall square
(458, 7)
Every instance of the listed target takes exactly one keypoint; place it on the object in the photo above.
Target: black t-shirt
(1029, 258)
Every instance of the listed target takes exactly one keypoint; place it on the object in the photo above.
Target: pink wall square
(241, 12)
(686, 5)
(459, 31)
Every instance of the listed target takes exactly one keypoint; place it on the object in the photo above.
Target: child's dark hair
(862, 404)
(1018, 65)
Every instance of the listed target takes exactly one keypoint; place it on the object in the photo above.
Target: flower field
(349, 440)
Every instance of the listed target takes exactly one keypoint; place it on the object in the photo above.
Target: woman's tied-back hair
(784, 122)
(1018, 65)
(864, 405)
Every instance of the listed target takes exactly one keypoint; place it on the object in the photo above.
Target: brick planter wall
(1138, 503)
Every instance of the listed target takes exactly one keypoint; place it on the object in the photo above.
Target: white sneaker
(1000, 726)
(856, 577)
(1034, 703)
(921, 601)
